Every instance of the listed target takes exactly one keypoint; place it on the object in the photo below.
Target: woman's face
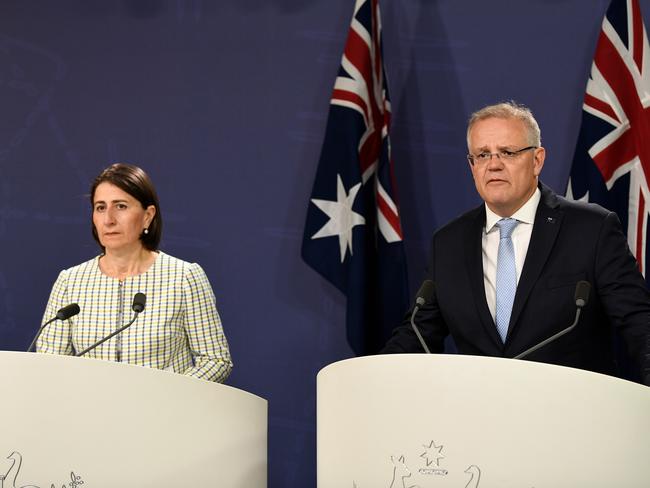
(119, 218)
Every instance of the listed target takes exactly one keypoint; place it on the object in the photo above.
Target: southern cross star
(342, 217)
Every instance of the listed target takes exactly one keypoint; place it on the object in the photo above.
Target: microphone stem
(38, 334)
(552, 338)
(135, 316)
(417, 332)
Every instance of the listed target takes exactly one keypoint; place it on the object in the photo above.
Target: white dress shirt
(520, 240)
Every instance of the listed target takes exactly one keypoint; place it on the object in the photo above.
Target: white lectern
(416, 420)
(76, 423)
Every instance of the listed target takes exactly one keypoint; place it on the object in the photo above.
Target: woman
(179, 330)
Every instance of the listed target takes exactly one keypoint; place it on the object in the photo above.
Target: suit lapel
(548, 221)
(474, 260)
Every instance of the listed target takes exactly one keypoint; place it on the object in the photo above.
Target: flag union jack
(353, 235)
(611, 165)
(361, 86)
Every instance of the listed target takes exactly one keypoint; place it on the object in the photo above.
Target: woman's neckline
(140, 269)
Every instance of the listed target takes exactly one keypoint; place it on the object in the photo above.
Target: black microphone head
(426, 293)
(139, 300)
(582, 293)
(68, 311)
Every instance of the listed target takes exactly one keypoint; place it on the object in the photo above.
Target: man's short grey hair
(509, 110)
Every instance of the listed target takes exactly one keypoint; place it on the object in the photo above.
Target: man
(506, 272)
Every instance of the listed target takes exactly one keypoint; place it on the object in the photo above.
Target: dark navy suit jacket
(571, 241)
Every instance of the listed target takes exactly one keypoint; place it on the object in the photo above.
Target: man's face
(504, 185)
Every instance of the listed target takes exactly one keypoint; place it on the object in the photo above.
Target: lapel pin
(550, 220)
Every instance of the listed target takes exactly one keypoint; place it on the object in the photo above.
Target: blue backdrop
(224, 103)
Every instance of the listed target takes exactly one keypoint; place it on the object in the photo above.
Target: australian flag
(353, 235)
(611, 165)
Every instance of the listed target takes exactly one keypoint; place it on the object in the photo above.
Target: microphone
(581, 297)
(63, 314)
(425, 295)
(139, 301)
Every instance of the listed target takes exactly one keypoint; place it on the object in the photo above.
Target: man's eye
(507, 154)
(483, 156)
(121, 206)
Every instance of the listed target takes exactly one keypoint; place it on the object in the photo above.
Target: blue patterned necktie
(506, 276)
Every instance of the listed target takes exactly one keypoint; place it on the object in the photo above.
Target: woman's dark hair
(134, 181)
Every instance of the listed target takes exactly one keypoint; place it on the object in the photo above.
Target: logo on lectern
(426, 469)
(11, 476)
